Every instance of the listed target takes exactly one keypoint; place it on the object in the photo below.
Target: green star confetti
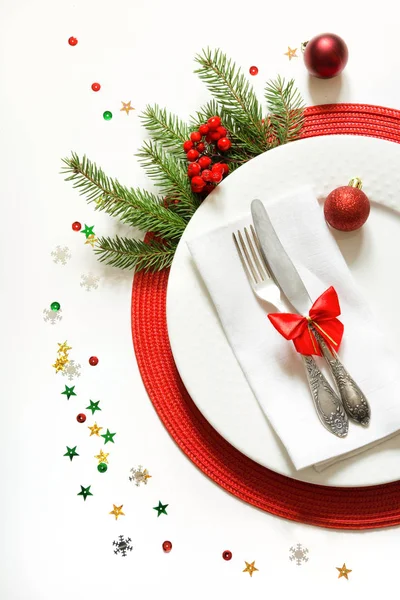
(69, 391)
(71, 452)
(108, 437)
(88, 230)
(85, 492)
(161, 508)
(93, 406)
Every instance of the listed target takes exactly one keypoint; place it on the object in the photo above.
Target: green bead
(102, 467)
(55, 306)
(107, 115)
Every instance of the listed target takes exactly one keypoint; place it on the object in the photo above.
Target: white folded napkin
(271, 365)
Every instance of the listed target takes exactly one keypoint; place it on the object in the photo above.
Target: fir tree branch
(170, 176)
(126, 253)
(135, 207)
(165, 128)
(286, 108)
(234, 93)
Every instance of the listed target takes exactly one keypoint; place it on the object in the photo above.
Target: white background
(54, 545)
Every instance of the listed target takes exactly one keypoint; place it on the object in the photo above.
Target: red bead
(224, 144)
(326, 55)
(200, 147)
(194, 169)
(204, 129)
(195, 136)
(188, 145)
(227, 555)
(167, 546)
(214, 122)
(76, 226)
(72, 41)
(93, 360)
(96, 87)
(253, 70)
(222, 131)
(204, 162)
(81, 418)
(192, 155)
(197, 183)
(225, 167)
(216, 176)
(215, 135)
(206, 175)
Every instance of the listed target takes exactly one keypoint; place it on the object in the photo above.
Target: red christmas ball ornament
(347, 208)
(325, 55)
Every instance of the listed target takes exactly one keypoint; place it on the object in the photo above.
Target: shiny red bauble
(326, 55)
(347, 208)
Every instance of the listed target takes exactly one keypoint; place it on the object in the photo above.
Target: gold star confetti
(250, 568)
(291, 53)
(60, 363)
(343, 571)
(94, 430)
(92, 239)
(117, 511)
(126, 106)
(102, 457)
(63, 348)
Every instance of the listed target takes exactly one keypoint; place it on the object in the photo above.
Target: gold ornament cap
(303, 46)
(356, 183)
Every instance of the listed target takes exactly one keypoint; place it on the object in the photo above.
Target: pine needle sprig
(165, 128)
(127, 253)
(286, 108)
(233, 92)
(135, 207)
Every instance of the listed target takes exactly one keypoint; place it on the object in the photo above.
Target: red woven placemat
(334, 507)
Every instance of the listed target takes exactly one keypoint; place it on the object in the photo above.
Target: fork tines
(250, 255)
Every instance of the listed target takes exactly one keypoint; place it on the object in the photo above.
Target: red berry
(218, 167)
(193, 169)
(208, 138)
(198, 182)
(96, 87)
(226, 168)
(206, 175)
(253, 70)
(72, 41)
(81, 418)
(200, 147)
(188, 145)
(222, 130)
(76, 226)
(195, 136)
(215, 135)
(214, 122)
(216, 176)
(204, 162)
(224, 144)
(192, 155)
(204, 129)
(93, 360)
(209, 188)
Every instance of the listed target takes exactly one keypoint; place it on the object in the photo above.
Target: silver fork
(328, 404)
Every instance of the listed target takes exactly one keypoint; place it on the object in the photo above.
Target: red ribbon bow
(322, 317)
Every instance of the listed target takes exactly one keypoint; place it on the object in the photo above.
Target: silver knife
(287, 278)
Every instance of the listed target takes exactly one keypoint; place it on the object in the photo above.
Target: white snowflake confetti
(89, 282)
(139, 475)
(61, 255)
(52, 316)
(299, 554)
(71, 370)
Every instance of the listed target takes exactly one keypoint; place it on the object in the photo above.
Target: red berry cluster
(203, 173)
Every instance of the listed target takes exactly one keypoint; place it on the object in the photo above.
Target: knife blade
(288, 279)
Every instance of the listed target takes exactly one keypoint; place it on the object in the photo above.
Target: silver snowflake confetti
(89, 282)
(299, 554)
(61, 255)
(71, 370)
(52, 316)
(139, 475)
(122, 545)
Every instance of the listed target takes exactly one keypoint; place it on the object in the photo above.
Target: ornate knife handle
(354, 402)
(327, 403)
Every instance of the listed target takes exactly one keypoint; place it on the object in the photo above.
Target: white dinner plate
(202, 354)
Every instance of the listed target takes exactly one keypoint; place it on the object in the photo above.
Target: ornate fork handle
(327, 403)
(355, 403)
